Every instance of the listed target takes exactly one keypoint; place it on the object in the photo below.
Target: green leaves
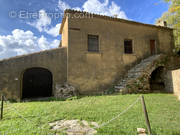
(172, 17)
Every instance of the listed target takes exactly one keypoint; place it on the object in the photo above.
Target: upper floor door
(153, 47)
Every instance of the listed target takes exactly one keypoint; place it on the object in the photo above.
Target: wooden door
(152, 47)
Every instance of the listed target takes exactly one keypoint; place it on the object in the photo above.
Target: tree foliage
(172, 17)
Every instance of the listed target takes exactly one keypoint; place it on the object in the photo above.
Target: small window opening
(128, 47)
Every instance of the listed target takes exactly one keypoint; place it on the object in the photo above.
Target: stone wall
(11, 70)
(176, 82)
(137, 79)
(172, 77)
(173, 81)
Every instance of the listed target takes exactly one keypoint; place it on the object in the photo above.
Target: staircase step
(136, 71)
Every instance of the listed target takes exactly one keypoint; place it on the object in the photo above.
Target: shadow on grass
(18, 117)
(109, 92)
(174, 133)
(46, 99)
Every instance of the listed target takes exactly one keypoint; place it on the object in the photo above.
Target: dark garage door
(37, 82)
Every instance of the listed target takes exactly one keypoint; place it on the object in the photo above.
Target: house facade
(101, 49)
(95, 52)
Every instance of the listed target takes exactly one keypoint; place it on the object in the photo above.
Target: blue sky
(22, 34)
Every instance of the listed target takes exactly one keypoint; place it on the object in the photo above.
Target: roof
(69, 11)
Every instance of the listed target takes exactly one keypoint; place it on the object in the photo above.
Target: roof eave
(108, 18)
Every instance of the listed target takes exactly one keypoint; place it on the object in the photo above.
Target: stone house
(95, 52)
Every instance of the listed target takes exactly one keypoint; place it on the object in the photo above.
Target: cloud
(95, 6)
(54, 31)
(43, 24)
(23, 42)
(43, 43)
(63, 5)
(104, 8)
(43, 21)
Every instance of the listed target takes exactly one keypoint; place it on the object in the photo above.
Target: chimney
(165, 23)
(115, 16)
(161, 23)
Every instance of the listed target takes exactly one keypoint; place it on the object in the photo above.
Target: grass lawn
(163, 109)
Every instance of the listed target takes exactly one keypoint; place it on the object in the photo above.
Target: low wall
(11, 70)
(176, 82)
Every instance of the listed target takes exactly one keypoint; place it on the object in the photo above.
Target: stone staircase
(137, 78)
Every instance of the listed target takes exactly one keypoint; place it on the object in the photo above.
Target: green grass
(163, 109)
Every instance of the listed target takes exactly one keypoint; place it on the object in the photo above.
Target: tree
(172, 17)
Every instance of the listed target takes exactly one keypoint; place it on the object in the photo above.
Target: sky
(28, 26)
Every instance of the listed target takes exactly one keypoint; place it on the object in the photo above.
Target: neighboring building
(95, 52)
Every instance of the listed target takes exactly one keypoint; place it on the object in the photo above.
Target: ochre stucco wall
(65, 34)
(11, 70)
(93, 72)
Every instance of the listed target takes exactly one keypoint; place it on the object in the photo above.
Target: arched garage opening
(157, 80)
(37, 82)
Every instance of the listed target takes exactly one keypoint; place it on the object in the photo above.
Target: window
(93, 43)
(128, 46)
